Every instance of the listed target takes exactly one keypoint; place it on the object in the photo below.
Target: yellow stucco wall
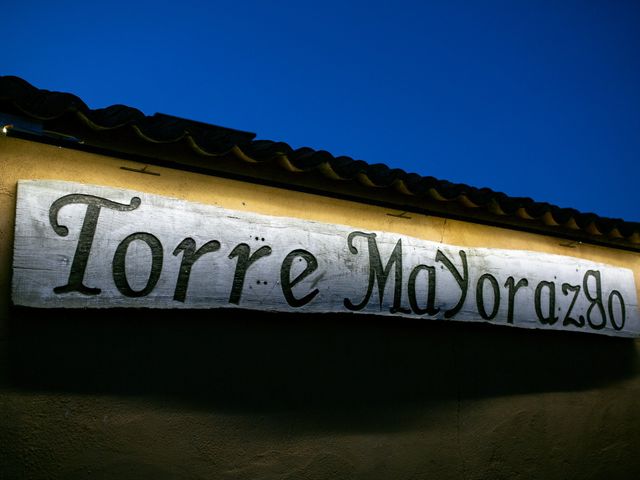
(586, 431)
(28, 160)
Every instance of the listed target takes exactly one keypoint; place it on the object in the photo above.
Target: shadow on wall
(242, 361)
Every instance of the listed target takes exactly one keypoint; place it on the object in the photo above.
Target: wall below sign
(216, 395)
(202, 394)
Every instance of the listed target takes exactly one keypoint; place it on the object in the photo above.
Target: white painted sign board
(86, 246)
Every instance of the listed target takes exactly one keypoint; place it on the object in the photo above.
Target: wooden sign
(85, 246)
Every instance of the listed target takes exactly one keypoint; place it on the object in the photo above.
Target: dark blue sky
(538, 99)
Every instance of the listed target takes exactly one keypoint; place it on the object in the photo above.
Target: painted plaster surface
(111, 394)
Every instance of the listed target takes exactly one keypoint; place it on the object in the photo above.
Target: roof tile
(18, 97)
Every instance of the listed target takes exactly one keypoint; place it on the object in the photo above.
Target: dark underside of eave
(168, 140)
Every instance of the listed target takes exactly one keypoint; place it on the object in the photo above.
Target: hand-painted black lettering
(118, 265)
(189, 257)
(594, 300)
(285, 277)
(87, 232)
(513, 289)
(568, 320)
(461, 280)
(550, 318)
(244, 262)
(378, 273)
(431, 290)
(480, 296)
(623, 312)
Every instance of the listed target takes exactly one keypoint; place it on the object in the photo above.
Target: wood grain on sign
(85, 246)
